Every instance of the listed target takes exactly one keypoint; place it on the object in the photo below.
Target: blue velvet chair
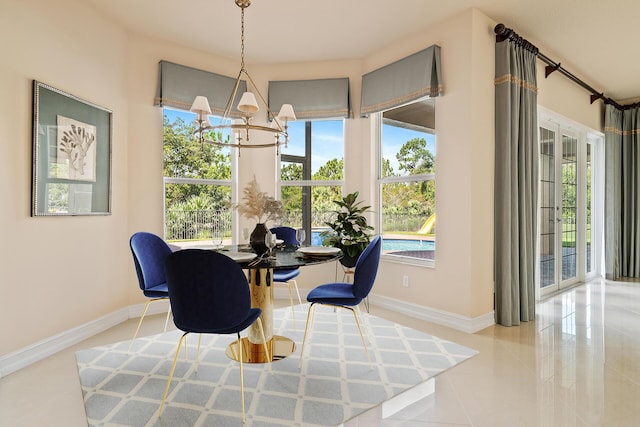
(287, 277)
(347, 295)
(149, 252)
(209, 294)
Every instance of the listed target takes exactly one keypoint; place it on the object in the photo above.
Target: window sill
(397, 259)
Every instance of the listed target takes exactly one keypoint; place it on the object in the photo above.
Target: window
(407, 165)
(311, 174)
(197, 182)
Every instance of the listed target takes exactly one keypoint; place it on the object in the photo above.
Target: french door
(566, 250)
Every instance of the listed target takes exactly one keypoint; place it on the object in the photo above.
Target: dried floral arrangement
(256, 204)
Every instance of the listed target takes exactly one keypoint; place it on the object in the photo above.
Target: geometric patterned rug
(334, 384)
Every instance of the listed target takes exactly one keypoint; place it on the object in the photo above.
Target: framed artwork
(71, 155)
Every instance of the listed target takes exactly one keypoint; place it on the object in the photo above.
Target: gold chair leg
(367, 325)
(310, 318)
(166, 322)
(295, 284)
(173, 368)
(355, 316)
(144, 312)
(241, 378)
(186, 351)
(198, 352)
(146, 306)
(293, 313)
(306, 328)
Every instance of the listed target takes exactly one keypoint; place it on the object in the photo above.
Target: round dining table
(260, 278)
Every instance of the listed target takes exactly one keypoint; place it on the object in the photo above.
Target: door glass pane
(588, 205)
(569, 206)
(547, 207)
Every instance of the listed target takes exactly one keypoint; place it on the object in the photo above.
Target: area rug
(334, 384)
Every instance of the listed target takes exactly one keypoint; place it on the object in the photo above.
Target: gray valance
(406, 80)
(312, 99)
(178, 86)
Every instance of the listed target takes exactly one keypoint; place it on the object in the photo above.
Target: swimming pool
(390, 244)
(408, 245)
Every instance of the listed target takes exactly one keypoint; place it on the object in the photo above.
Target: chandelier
(248, 105)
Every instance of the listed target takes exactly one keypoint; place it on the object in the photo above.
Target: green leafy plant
(349, 231)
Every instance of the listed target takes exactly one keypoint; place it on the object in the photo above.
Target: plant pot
(349, 261)
(256, 240)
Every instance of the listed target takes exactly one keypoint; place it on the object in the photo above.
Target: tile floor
(578, 364)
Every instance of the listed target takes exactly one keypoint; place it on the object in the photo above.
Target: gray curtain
(622, 183)
(516, 182)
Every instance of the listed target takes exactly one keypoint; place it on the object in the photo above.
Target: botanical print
(76, 150)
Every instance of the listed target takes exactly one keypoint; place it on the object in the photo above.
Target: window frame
(308, 182)
(377, 123)
(231, 183)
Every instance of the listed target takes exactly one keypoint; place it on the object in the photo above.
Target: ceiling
(593, 39)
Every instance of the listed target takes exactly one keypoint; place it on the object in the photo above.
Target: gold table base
(279, 348)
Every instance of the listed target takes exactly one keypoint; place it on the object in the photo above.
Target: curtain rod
(504, 33)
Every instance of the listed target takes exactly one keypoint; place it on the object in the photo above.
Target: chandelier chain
(248, 104)
(242, 39)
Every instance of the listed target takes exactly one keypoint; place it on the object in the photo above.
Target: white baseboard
(444, 318)
(33, 353)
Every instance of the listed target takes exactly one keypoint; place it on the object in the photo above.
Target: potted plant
(349, 231)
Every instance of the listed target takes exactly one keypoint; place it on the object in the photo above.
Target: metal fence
(197, 225)
(202, 224)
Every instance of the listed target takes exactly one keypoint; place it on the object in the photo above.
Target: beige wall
(58, 273)
(67, 271)
(461, 283)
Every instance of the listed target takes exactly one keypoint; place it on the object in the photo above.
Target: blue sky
(327, 137)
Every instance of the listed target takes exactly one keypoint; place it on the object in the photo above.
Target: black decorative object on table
(256, 240)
